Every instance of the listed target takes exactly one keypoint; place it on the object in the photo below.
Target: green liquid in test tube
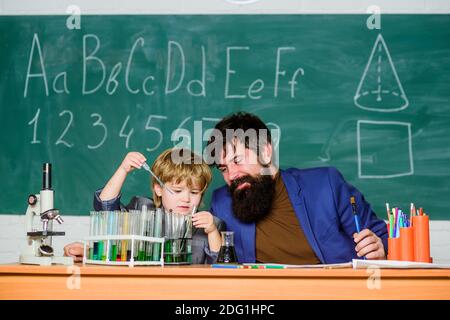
(150, 233)
(142, 220)
(103, 233)
(91, 233)
(157, 233)
(95, 218)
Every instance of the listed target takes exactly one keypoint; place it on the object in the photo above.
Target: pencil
(355, 215)
(387, 210)
(226, 266)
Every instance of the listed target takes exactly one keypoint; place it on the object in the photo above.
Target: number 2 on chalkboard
(60, 139)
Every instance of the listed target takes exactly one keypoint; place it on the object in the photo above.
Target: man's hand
(75, 250)
(369, 245)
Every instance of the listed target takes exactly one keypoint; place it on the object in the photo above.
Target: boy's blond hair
(176, 165)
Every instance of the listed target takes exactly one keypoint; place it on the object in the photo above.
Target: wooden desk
(203, 282)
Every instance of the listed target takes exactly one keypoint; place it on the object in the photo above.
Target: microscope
(39, 243)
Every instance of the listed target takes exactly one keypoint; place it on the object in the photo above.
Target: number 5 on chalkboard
(157, 130)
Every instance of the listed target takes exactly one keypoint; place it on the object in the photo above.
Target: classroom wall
(24, 7)
(12, 227)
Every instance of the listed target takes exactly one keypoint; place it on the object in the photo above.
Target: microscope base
(45, 261)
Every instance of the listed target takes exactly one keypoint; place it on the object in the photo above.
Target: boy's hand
(368, 244)
(131, 161)
(75, 250)
(204, 219)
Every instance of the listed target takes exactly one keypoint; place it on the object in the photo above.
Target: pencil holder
(407, 243)
(421, 226)
(394, 249)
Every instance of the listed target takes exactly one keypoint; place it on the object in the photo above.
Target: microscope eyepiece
(47, 176)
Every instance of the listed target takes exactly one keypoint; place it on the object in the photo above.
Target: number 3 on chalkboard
(105, 130)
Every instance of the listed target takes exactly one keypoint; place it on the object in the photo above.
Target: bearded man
(293, 216)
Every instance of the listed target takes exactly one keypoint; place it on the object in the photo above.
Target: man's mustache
(238, 181)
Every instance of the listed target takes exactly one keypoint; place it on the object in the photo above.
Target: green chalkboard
(373, 103)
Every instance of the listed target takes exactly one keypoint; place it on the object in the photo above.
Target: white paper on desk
(305, 266)
(394, 264)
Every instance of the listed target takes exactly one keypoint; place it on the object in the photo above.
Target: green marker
(274, 267)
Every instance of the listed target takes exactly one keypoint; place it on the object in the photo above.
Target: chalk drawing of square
(384, 149)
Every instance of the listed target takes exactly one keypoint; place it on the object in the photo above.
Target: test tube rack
(131, 262)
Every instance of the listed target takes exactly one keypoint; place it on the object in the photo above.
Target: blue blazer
(321, 200)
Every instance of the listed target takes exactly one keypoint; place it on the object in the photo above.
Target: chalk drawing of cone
(380, 88)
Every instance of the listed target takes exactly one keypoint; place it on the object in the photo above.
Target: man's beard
(252, 203)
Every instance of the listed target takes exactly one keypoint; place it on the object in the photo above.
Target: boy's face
(182, 200)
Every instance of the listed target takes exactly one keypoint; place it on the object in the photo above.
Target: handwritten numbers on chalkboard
(126, 136)
(183, 134)
(34, 121)
(155, 129)
(105, 130)
(60, 139)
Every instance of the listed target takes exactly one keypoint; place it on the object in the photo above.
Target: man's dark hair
(241, 121)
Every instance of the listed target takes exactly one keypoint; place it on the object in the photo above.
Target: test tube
(168, 226)
(134, 230)
(157, 232)
(142, 225)
(91, 233)
(113, 246)
(104, 233)
(150, 233)
(123, 253)
(111, 232)
(188, 240)
(119, 232)
(98, 232)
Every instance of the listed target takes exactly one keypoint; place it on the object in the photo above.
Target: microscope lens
(47, 176)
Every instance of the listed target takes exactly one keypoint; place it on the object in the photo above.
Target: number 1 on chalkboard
(34, 121)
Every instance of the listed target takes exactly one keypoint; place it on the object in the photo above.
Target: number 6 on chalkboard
(181, 134)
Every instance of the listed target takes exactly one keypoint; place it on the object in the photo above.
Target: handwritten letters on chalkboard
(121, 73)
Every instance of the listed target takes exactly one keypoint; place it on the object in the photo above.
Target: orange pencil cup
(407, 243)
(394, 249)
(421, 226)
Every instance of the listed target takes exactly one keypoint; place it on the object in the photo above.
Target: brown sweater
(279, 236)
